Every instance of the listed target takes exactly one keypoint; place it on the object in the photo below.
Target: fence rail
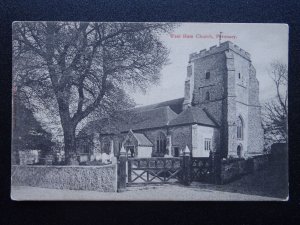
(184, 169)
(154, 170)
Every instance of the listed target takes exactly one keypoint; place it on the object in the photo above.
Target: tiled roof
(151, 116)
(193, 115)
(142, 140)
(132, 120)
(175, 105)
(146, 119)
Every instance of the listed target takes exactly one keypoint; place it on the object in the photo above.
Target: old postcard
(149, 111)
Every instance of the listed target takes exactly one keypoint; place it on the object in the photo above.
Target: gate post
(186, 166)
(216, 167)
(122, 170)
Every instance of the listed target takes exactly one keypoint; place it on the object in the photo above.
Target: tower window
(240, 128)
(207, 96)
(239, 75)
(207, 75)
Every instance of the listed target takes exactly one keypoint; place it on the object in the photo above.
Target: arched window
(240, 128)
(207, 96)
(207, 75)
(161, 143)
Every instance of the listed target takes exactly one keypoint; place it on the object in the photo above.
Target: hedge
(94, 178)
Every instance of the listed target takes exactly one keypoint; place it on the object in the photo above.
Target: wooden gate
(159, 170)
(154, 170)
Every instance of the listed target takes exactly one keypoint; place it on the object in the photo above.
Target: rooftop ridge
(222, 47)
(159, 108)
(171, 103)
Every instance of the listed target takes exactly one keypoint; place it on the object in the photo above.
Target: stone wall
(256, 133)
(234, 92)
(93, 178)
(279, 152)
(260, 162)
(217, 49)
(232, 169)
(181, 136)
(215, 65)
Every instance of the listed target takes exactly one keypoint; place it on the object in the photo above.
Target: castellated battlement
(222, 47)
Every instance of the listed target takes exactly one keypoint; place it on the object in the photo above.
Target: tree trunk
(70, 145)
(68, 126)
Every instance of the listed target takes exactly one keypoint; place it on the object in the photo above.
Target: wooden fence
(159, 170)
(184, 169)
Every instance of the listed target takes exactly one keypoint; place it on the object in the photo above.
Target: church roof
(145, 119)
(175, 105)
(193, 115)
(162, 114)
(132, 120)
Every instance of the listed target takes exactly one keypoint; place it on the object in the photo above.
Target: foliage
(73, 70)
(28, 133)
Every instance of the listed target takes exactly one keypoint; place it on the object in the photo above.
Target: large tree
(73, 69)
(275, 111)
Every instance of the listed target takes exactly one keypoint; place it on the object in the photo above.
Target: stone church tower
(222, 81)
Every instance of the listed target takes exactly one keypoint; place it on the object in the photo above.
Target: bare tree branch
(275, 111)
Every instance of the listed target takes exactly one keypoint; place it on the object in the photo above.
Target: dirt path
(268, 184)
(165, 193)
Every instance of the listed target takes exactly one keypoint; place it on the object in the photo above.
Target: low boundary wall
(232, 169)
(94, 178)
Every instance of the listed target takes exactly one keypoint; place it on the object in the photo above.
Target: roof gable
(140, 139)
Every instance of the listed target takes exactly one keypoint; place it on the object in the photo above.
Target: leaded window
(161, 143)
(207, 144)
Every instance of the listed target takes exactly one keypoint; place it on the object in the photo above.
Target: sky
(265, 43)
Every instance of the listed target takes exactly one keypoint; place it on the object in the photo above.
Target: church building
(220, 111)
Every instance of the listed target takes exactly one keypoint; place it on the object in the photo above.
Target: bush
(94, 178)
